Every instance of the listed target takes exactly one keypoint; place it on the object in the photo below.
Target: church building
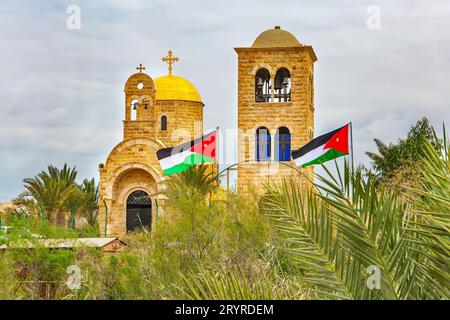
(158, 113)
(275, 114)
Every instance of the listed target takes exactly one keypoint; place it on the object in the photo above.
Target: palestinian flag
(324, 148)
(179, 158)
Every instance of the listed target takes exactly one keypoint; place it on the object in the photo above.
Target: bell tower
(275, 106)
(139, 105)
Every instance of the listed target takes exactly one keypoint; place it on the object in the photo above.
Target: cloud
(56, 117)
(61, 97)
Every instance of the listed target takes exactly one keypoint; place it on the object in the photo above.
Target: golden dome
(172, 87)
(276, 38)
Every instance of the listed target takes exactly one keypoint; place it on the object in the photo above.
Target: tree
(353, 240)
(58, 194)
(50, 189)
(405, 154)
(89, 207)
(195, 181)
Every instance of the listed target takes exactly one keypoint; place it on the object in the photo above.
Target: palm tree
(196, 181)
(72, 204)
(351, 239)
(349, 229)
(89, 207)
(382, 161)
(50, 190)
(232, 285)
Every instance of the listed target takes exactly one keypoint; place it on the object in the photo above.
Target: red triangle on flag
(339, 141)
(207, 146)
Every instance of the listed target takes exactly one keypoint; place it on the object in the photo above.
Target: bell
(260, 83)
(286, 82)
(135, 106)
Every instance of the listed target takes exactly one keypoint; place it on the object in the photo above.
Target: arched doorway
(139, 210)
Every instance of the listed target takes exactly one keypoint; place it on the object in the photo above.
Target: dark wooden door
(139, 211)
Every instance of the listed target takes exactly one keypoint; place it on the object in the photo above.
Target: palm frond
(231, 285)
(307, 228)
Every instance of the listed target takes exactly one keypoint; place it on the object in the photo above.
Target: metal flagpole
(217, 159)
(351, 146)
(270, 157)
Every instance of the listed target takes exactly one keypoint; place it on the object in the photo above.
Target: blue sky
(61, 98)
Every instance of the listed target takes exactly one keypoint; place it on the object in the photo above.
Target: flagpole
(351, 142)
(217, 159)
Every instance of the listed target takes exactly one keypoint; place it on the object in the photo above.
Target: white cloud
(61, 97)
(57, 117)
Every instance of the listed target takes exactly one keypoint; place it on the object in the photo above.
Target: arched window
(263, 144)
(282, 85)
(283, 144)
(164, 123)
(134, 106)
(262, 86)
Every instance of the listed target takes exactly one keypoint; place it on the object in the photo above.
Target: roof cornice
(301, 48)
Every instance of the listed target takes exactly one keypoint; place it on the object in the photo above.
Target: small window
(263, 144)
(164, 123)
(263, 86)
(283, 144)
(282, 86)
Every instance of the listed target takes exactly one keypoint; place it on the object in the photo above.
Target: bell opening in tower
(282, 86)
(263, 86)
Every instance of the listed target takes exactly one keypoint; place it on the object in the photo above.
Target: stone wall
(297, 115)
(132, 165)
(255, 177)
(184, 121)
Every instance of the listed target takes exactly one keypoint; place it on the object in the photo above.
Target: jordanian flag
(179, 158)
(324, 148)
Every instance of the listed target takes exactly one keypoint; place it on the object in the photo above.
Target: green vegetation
(326, 241)
(335, 234)
(55, 196)
(398, 165)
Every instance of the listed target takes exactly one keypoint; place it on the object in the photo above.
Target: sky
(61, 92)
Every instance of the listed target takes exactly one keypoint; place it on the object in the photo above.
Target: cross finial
(170, 59)
(140, 68)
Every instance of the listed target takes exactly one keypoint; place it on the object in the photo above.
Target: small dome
(276, 38)
(172, 87)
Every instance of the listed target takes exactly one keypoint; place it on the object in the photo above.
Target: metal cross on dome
(170, 59)
(140, 68)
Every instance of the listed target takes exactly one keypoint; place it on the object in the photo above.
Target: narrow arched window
(134, 106)
(263, 86)
(282, 86)
(283, 144)
(164, 123)
(263, 144)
